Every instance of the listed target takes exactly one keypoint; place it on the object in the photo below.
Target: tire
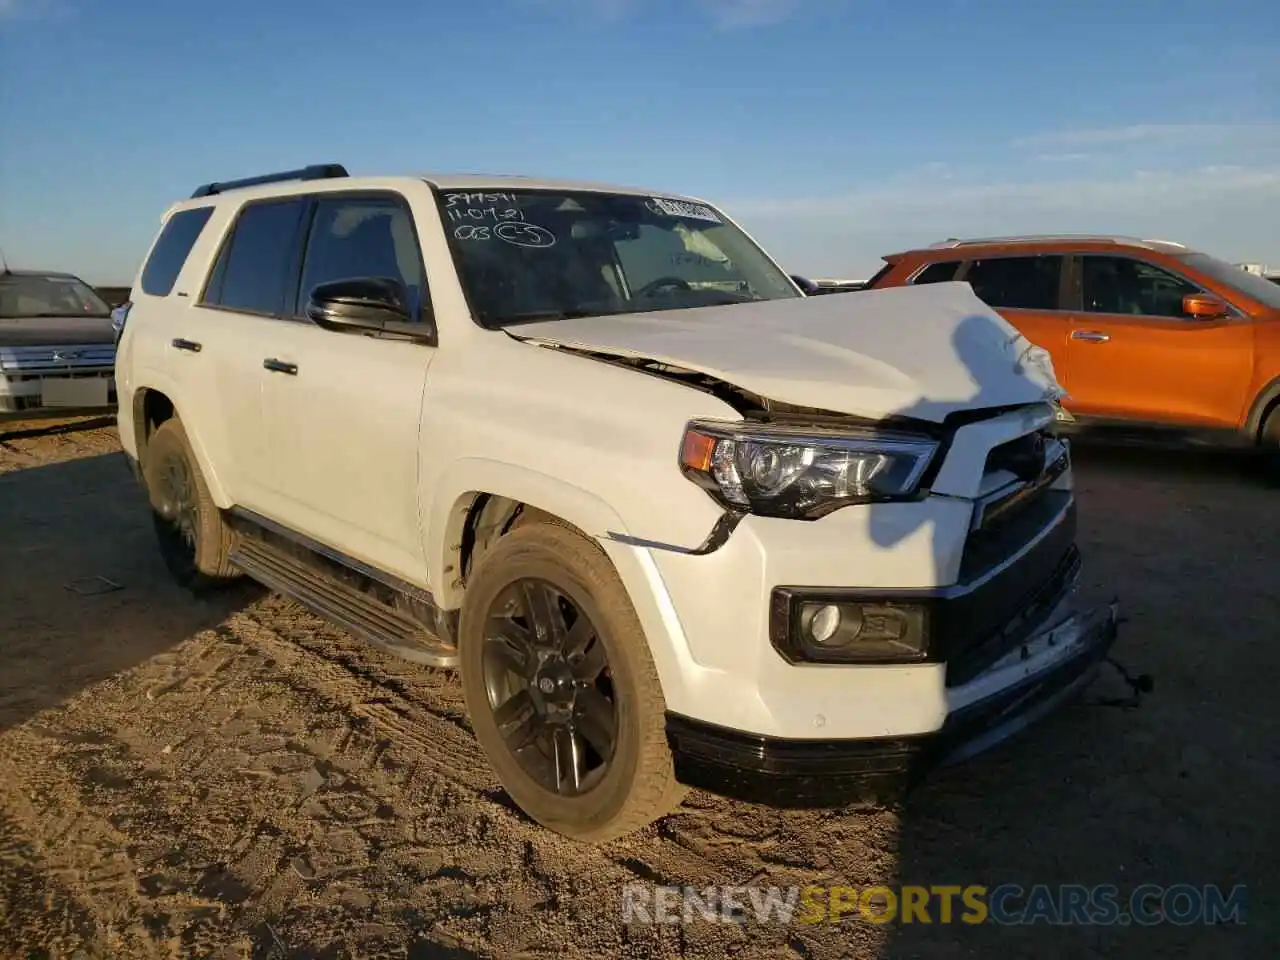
(195, 541)
(635, 784)
(1269, 444)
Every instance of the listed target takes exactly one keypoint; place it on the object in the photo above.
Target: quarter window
(939, 272)
(355, 238)
(177, 237)
(254, 266)
(1020, 283)
(1128, 286)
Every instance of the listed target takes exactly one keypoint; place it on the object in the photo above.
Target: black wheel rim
(549, 687)
(177, 516)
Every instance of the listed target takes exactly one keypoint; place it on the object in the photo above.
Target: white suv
(676, 523)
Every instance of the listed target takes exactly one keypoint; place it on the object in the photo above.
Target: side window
(354, 237)
(253, 267)
(177, 237)
(939, 272)
(1020, 283)
(1125, 285)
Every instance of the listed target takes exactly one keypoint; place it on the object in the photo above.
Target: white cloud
(1224, 210)
(1156, 134)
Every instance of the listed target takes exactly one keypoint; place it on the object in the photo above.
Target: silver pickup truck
(57, 346)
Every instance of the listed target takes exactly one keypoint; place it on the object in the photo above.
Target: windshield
(531, 255)
(33, 295)
(1250, 284)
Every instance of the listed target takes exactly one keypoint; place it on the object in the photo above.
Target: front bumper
(820, 773)
(25, 396)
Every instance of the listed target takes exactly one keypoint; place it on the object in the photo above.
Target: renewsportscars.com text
(1007, 904)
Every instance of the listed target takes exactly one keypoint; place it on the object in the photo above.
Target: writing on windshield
(538, 254)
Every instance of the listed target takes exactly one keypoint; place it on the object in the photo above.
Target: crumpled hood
(923, 352)
(54, 331)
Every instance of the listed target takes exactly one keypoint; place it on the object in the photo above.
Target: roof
(495, 182)
(470, 181)
(1054, 239)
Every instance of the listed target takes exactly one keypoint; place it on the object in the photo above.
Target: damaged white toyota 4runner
(676, 523)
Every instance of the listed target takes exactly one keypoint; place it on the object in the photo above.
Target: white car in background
(57, 346)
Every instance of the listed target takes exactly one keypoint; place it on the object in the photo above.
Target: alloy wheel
(546, 673)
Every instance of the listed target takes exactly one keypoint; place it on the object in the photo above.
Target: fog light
(824, 623)
(835, 630)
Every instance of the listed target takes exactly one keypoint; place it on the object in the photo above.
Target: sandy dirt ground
(235, 778)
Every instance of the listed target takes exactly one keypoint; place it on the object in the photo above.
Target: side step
(341, 604)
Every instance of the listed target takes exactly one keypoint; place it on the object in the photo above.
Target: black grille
(991, 545)
(1022, 456)
(1029, 615)
(972, 629)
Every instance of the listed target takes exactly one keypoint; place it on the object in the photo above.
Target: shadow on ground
(1174, 792)
(83, 593)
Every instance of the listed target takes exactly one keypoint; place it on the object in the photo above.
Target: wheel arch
(1266, 400)
(152, 406)
(477, 501)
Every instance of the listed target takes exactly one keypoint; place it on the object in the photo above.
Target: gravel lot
(238, 779)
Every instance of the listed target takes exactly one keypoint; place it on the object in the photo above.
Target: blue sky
(834, 130)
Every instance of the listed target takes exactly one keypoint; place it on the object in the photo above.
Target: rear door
(223, 335)
(1135, 355)
(1028, 291)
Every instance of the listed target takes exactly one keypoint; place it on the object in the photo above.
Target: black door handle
(191, 345)
(279, 366)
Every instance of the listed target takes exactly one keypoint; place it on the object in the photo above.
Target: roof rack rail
(952, 242)
(1031, 238)
(316, 171)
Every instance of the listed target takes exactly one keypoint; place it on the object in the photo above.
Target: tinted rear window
(878, 276)
(177, 237)
(1023, 283)
(253, 268)
(939, 272)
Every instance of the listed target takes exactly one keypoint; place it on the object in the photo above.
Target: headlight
(780, 472)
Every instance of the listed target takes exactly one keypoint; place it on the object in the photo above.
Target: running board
(340, 604)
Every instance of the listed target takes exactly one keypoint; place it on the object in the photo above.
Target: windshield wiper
(534, 316)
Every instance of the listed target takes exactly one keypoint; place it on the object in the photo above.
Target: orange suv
(1143, 333)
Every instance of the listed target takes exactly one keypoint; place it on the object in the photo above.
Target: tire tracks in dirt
(275, 771)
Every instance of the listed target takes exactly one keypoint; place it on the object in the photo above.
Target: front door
(343, 409)
(1135, 355)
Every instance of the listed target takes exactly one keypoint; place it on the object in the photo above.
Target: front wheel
(561, 687)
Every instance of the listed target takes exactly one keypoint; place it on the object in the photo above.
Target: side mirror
(365, 305)
(1204, 307)
(805, 284)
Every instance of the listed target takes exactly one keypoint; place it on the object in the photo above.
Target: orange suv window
(1128, 286)
(939, 272)
(1020, 283)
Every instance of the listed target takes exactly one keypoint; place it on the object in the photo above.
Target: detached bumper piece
(830, 773)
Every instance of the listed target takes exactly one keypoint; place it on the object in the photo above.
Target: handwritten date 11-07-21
(481, 208)
(484, 215)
